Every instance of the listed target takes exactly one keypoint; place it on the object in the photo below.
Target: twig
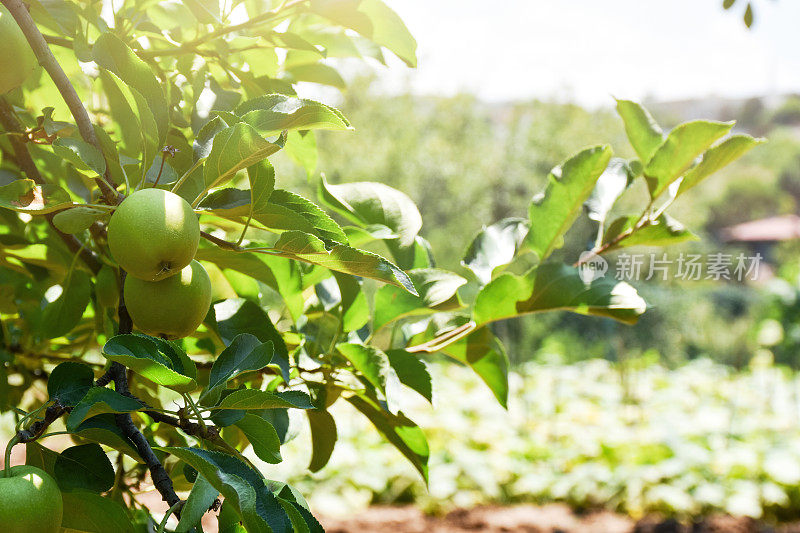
(64, 86)
(192, 45)
(25, 162)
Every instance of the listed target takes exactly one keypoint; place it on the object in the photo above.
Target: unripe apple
(29, 501)
(17, 61)
(173, 307)
(153, 234)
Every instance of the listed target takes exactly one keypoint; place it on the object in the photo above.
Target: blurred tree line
(466, 163)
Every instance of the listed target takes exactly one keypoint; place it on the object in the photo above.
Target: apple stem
(7, 469)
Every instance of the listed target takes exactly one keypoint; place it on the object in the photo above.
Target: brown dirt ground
(550, 518)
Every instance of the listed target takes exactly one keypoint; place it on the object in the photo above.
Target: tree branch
(28, 167)
(38, 428)
(118, 374)
(64, 86)
(192, 45)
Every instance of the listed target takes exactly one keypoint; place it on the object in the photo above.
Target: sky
(588, 50)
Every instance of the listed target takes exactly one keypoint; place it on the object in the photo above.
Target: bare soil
(551, 518)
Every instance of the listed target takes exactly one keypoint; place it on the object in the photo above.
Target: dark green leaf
(97, 401)
(145, 356)
(103, 429)
(91, 513)
(69, 382)
(197, 504)
(323, 437)
(246, 353)
(241, 486)
(84, 467)
(262, 436)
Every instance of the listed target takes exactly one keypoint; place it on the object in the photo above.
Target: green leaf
(484, 353)
(97, 401)
(248, 264)
(323, 437)
(40, 457)
(727, 4)
(317, 73)
(25, 196)
(679, 150)
(246, 353)
(77, 219)
(248, 399)
(374, 20)
(748, 15)
(412, 372)
(262, 183)
(239, 484)
(403, 433)
(263, 437)
(80, 153)
(84, 467)
(569, 186)
(237, 315)
(270, 114)
(371, 362)
(437, 291)
(69, 382)
(616, 178)
(197, 504)
(152, 359)
(495, 246)
(233, 149)
(103, 429)
(308, 248)
(111, 53)
(368, 203)
(301, 147)
(551, 287)
(63, 314)
(663, 232)
(643, 133)
(717, 157)
(204, 140)
(91, 513)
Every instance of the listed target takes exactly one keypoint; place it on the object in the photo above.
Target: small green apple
(17, 61)
(173, 307)
(29, 501)
(153, 234)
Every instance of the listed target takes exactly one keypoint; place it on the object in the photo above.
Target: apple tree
(174, 312)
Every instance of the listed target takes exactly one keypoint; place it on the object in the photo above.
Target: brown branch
(26, 164)
(48, 62)
(38, 428)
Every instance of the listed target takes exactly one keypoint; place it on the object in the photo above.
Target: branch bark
(64, 86)
(28, 167)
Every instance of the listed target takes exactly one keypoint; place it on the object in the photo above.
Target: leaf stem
(13, 442)
(163, 525)
(187, 174)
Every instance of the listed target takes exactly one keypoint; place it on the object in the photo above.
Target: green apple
(29, 501)
(173, 307)
(17, 61)
(153, 234)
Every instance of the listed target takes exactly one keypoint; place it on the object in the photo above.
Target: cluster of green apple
(153, 235)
